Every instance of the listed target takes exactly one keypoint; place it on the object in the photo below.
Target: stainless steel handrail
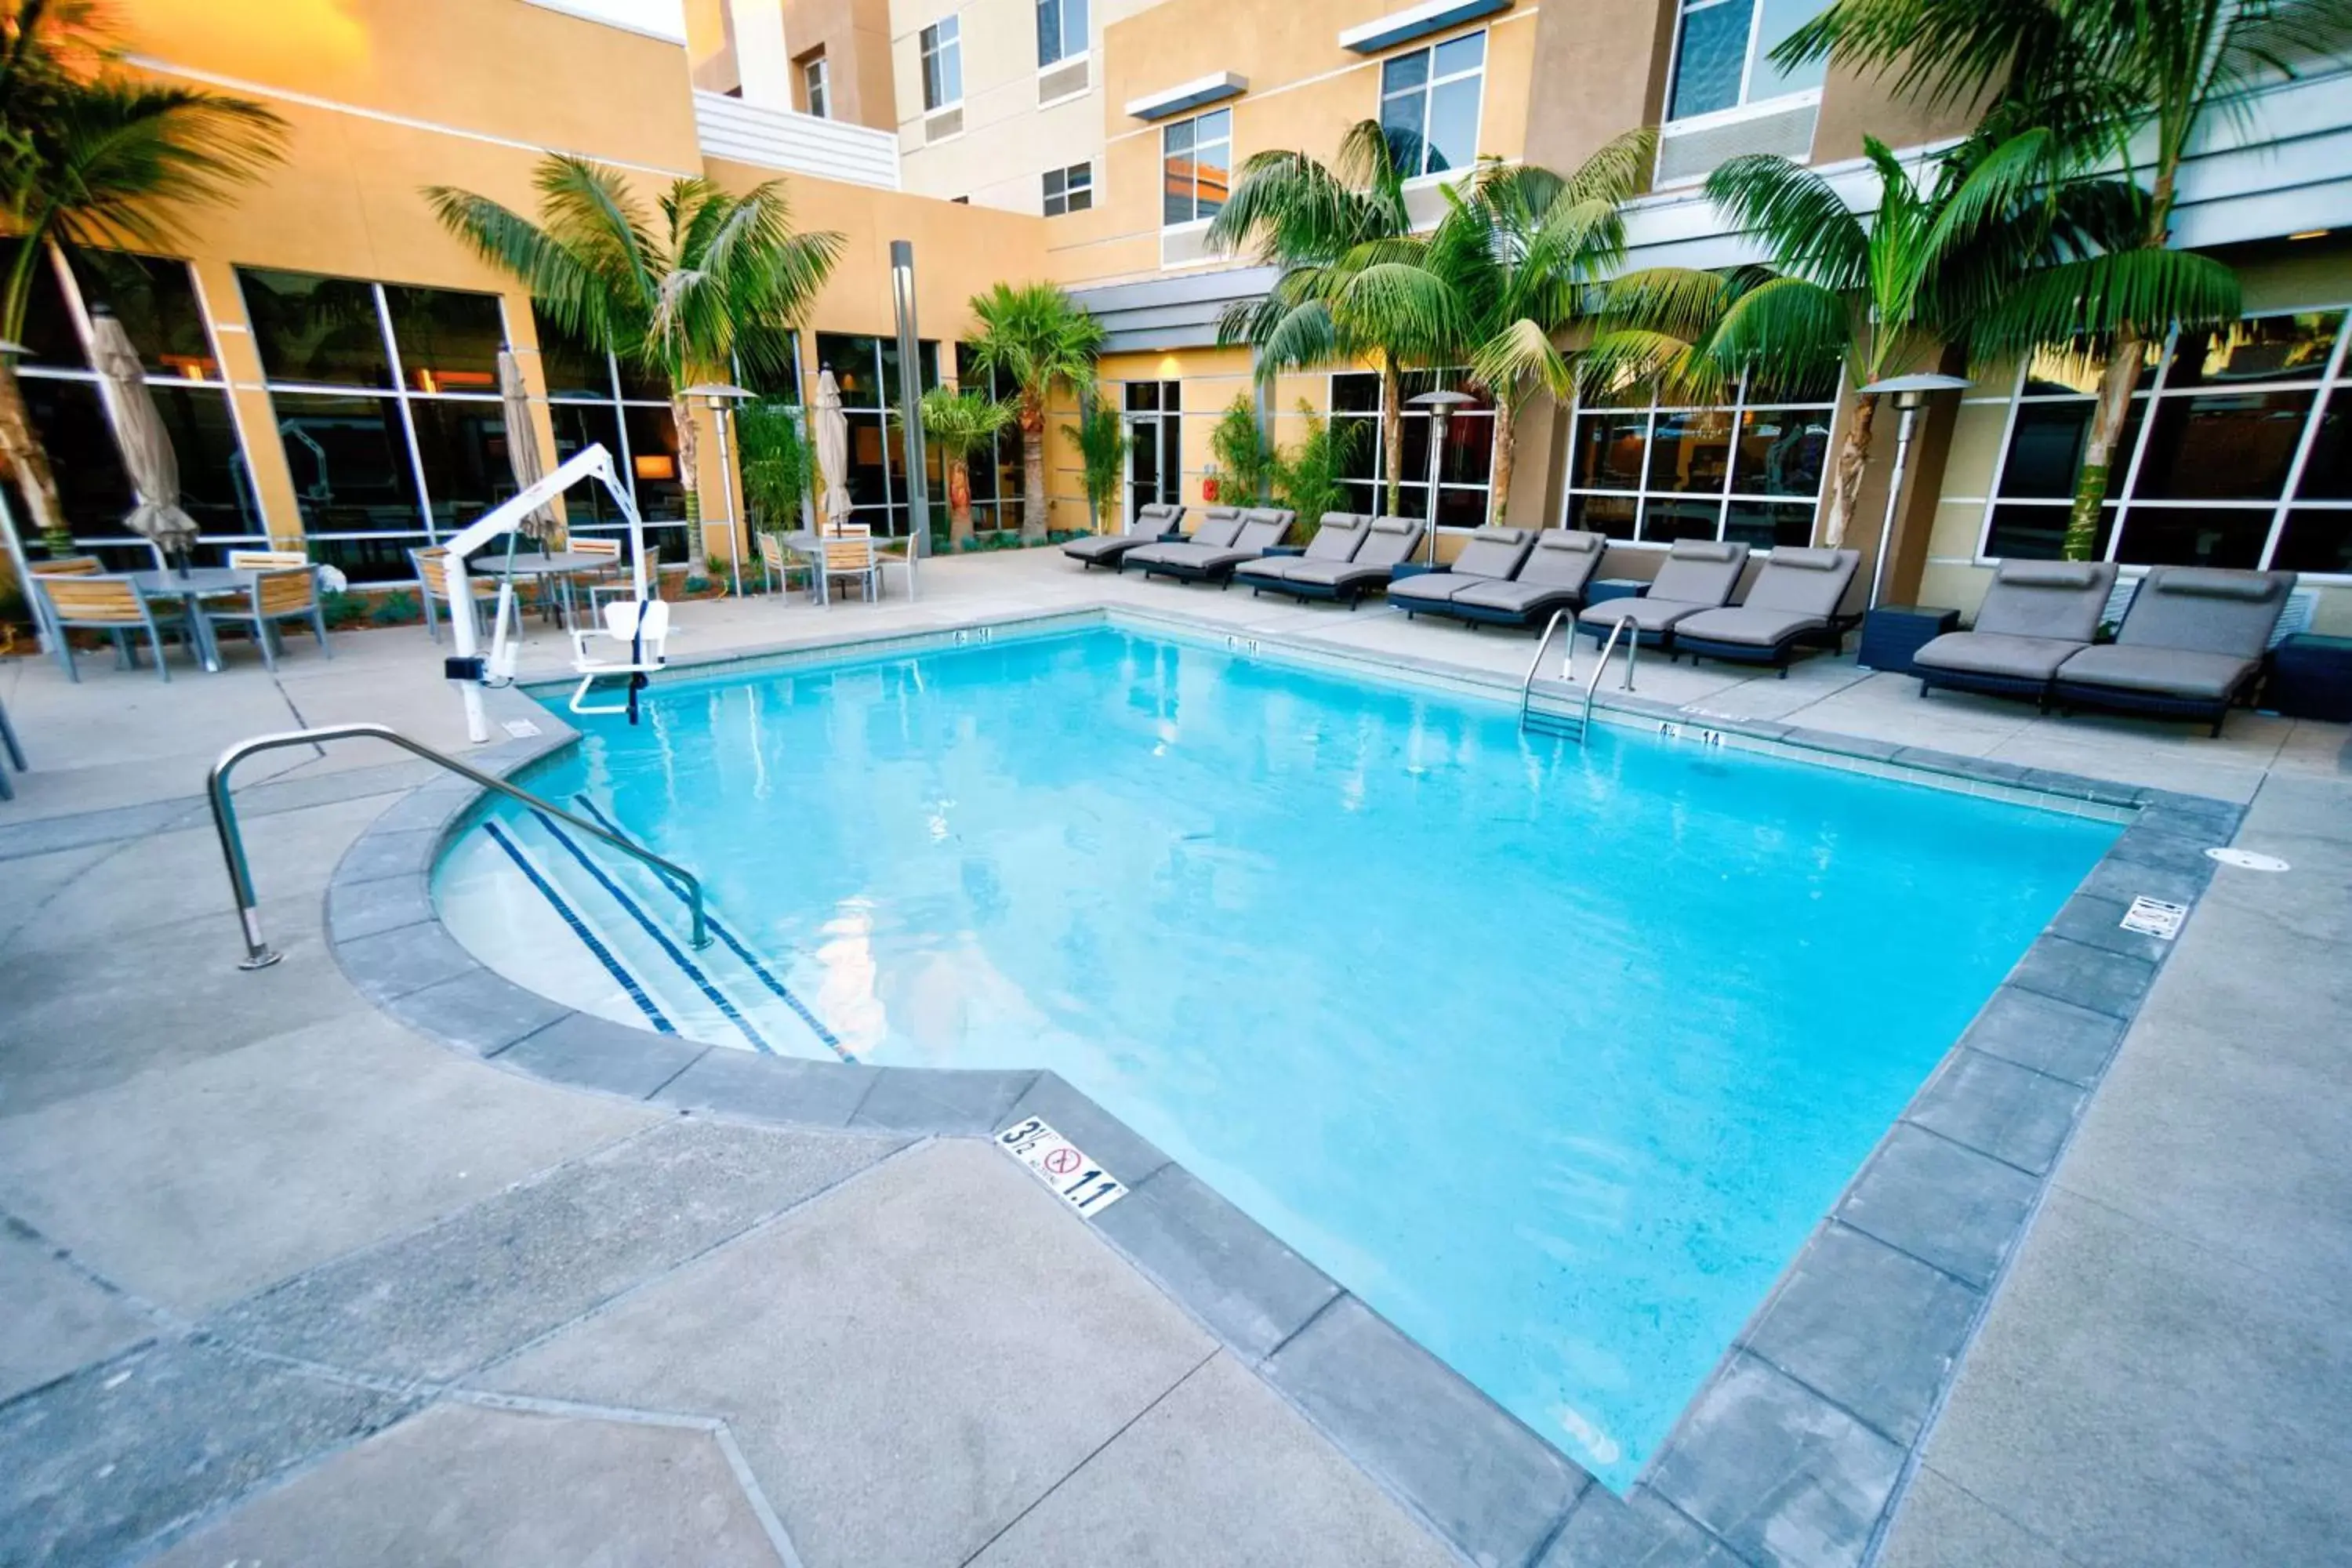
(1600, 667)
(1535, 665)
(258, 951)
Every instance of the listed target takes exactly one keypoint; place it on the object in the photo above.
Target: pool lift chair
(638, 626)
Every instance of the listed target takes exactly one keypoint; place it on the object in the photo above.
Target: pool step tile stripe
(763, 973)
(597, 947)
(723, 994)
(679, 959)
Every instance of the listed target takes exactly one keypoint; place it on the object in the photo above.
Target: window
(816, 87)
(1155, 453)
(1061, 30)
(2237, 452)
(1722, 55)
(155, 300)
(1429, 105)
(1464, 469)
(942, 64)
(594, 399)
(387, 399)
(868, 373)
(1196, 159)
(1749, 472)
(1070, 190)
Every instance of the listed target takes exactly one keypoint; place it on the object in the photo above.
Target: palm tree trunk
(2115, 384)
(1852, 459)
(958, 500)
(1393, 433)
(1032, 468)
(23, 458)
(1506, 442)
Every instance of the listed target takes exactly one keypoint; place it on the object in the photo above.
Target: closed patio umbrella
(832, 450)
(522, 441)
(147, 455)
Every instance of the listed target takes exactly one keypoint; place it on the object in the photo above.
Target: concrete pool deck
(280, 1263)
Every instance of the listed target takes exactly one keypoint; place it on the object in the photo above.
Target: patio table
(810, 546)
(539, 565)
(189, 588)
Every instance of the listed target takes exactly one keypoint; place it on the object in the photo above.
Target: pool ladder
(259, 955)
(1576, 727)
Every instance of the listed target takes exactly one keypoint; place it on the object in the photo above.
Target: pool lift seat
(639, 629)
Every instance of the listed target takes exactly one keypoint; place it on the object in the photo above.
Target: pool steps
(620, 949)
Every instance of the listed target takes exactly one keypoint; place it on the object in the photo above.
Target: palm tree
(1036, 337)
(1355, 283)
(2107, 69)
(1944, 247)
(1524, 252)
(90, 158)
(960, 424)
(721, 279)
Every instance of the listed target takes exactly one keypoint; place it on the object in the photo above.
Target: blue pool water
(1553, 1054)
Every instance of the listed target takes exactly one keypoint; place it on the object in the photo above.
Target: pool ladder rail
(1578, 725)
(259, 955)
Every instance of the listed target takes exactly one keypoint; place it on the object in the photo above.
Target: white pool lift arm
(591, 461)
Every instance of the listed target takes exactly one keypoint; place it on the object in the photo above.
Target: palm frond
(1784, 330)
(1796, 215)
(1519, 357)
(2083, 301)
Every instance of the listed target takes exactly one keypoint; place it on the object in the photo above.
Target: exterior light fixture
(1910, 394)
(1440, 405)
(911, 398)
(719, 395)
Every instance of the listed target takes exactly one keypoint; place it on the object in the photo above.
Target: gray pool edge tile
(2172, 831)
(1238, 1278)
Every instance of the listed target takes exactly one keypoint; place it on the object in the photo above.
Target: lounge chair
(1151, 523)
(1337, 540)
(1491, 555)
(1699, 574)
(1387, 541)
(1262, 529)
(2035, 617)
(1794, 600)
(2190, 645)
(1553, 577)
(1219, 527)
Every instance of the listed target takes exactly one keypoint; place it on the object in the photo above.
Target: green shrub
(342, 609)
(1307, 477)
(777, 465)
(397, 609)
(1242, 451)
(696, 585)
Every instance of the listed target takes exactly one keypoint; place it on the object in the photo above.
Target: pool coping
(1799, 1446)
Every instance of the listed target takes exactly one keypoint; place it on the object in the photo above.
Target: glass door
(1155, 456)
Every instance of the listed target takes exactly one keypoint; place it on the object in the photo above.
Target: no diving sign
(1061, 1165)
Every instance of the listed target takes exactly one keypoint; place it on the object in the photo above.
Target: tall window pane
(2195, 536)
(320, 331)
(572, 369)
(1429, 105)
(449, 340)
(1781, 452)
(578, 427)
(49, 335)
(2266, 348)
(654, 462)
(2233, 447)
(1690, 450)
(155, 301)
(943, 56)
(350, 462)
(1710, 56)
(463, 447)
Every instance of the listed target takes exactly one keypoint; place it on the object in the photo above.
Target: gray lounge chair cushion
(1429, 588)
(2059, 600)
(1647, 614)
(2207, 611)
(1699, 573)
(1152, 520)
(1997, 653)
(1519, 597)
(2163, 671)
(1748, 626)
(1563, 558)
(1492, 553)
(1810, 580)
(1389, 541)
(1339, 538)
(1105, 546)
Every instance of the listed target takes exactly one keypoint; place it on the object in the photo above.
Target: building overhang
(1416, 22)
(1178, 312)
(1206, 90)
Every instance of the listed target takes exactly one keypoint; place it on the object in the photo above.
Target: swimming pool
(1553, 1054)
